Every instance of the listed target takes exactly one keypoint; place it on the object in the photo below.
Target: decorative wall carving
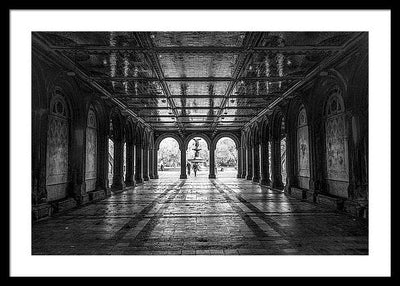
(303, 147)
(91, 151)
(336, 139)
(57, 150)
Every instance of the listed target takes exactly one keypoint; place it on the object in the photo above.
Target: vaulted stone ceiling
(196, 81)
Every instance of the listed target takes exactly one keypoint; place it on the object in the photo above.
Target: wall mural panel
(91, 152)
(57, 158)
(336, 149)
(91, 158)
(303, 152)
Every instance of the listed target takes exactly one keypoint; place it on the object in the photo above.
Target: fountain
(196, 159)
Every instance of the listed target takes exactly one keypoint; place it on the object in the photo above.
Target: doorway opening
(226, 158)
(169, 158)
(197, 157)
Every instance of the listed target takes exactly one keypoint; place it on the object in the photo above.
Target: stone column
(291, 170)
(239, 163)
(151, 163)
(138, 173)
(183, 164)
(249, 171)
(129, 179)
(102, 163)
(244, 163)
(146, 163)
(264, 164)
(256, 163)
(155, 170)
(118, 184)
(313, 184)
(276, 164)
(211, 174)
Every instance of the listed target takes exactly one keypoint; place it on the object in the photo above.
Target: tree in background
(226, 153)
(169, 153)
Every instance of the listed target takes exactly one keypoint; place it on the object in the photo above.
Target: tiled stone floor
(199, 216)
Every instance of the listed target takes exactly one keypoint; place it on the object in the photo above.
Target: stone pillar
(102, 163)
(146, 163)
(155, 164)
(256, 163)
(239, 163)
(138, 173)
(151, 163)
(118, 183)
(183, 164)
(264, 164)
(276, 164)
(244, 163)
(313, 185)
(211, 174)
(291, 167)
(249, 171)
(129, 179)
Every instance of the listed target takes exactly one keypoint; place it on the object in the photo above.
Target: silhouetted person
(195, 169)
(188, 168)
(162, 167)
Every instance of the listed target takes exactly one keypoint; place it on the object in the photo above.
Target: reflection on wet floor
(225, 216)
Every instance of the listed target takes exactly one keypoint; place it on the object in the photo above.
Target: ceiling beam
(70, 65)
(156, 67)
(199, 96)
(194, 107)
(326, 63)
(197, 115)
(191, 49)
(195, 79)
(241, 64)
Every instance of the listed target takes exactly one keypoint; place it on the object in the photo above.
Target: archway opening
(124, 158)
(283, 152)
(197, 168)
(110, 156)
(91, 151)
(110, 161)
(226, 158)
(168, 158)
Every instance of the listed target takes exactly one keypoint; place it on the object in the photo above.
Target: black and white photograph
(199, 143)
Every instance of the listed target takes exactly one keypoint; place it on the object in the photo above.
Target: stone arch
(248, 137)
(139, 135)
(117, 124)
(226, 134)
(91, 149)
(194, 135)
(264, 129)
(322, 89)
(69, 89)
(129, 131)
(336, 143)
(279, 161)
(58, 147)
(276, 125)
(243, 139)
(167, 135)
(146, 137)
(255, 135)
